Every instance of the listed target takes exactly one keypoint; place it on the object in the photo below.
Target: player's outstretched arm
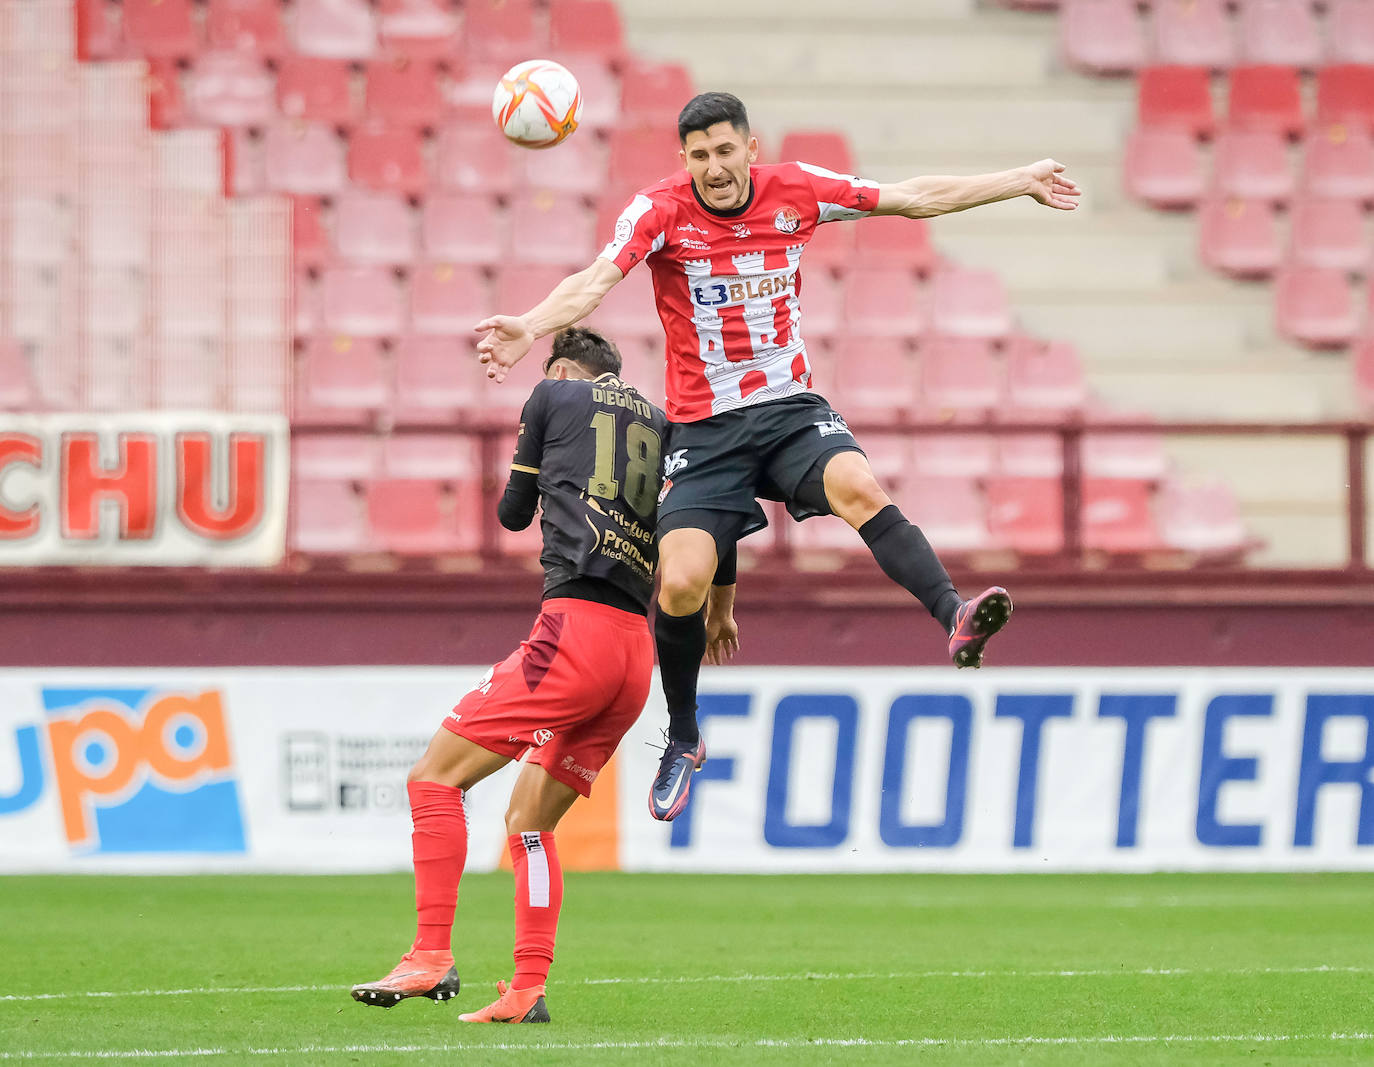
(509, 337)
(926, 197)
(722, 632)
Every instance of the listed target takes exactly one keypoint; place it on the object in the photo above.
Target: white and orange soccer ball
(537, 104)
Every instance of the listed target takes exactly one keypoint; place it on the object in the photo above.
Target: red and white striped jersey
(727, 284)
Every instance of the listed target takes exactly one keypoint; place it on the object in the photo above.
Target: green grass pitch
(669, 969)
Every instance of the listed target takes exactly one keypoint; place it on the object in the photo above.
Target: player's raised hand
(507, 340)
(1050, 186)
(722, 632)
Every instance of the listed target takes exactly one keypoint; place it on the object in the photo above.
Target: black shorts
(772, 451)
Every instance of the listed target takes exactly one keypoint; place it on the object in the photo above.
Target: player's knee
(521, 819)
(857, 496)
(683, 587)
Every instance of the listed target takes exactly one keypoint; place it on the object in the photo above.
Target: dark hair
(587, 348)
(706, 109)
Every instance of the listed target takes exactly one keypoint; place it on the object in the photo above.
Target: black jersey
(596, 448)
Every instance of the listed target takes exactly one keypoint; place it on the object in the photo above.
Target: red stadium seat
(893, 242)
(402, 91)
(959, 375)
(502, 30)
(1251, 165)
(252, 26)
(643, 155)
(1026, 514)
(419, 516)
(372, 227)
(229, 89)
(314, 89)
(1313, 307)
(381, 157)
(653, 93)
(1338, 161)
(461, 228)
(1044, 377)
(1345, 94)
(445, 457)
(340, 380)
(953, 455)
(521, 285)
(1101, 36)
(825, 148)
(437, 379)
(1116, 516)
(334, 29)
(1349, 32)
(471, 83)
(1138, 454)
(1026, 455)
(303, 158)
(1163, 167)
(419, 28)
(969, 303)
(308, 302)
(823, 314)
(309, 243)
(880, 303)
(578, 166)
(552, 228)
(586, 29)
(475, 158)
(1239, 237)
(326, 518)
(1192, 33)
(1279, 32)
(18, 391)
(879, 380)
(628, 315)
(949, 510)
(1329, 233)
(1203, 519)
(1175, 98)
(362, 301)
(831, 247)
(600, 96)
(335, 457)
(523, 544)
(448, 298)
(166, 103)
(97, 35)
(160, 29)
(1266, 98)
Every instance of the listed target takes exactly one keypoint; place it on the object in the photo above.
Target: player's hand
(507, 340)
(1050, 187)
(722, 632)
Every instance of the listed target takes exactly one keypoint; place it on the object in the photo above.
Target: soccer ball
(537, 103)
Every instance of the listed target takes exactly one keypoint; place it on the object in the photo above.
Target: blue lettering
(721, 293)
(1033, 711)
(905, 711)
(1218, 769)
(716, 768)
(843, 710)
(1137, 711)
(1317, 772)
(30, 772)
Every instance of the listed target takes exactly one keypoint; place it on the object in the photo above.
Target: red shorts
(567, 694)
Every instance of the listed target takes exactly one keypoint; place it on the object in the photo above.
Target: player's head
(581, 353)
(717, 148)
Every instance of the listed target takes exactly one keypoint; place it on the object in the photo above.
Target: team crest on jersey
(833, 425)
(624, 229)
(787, 220)
(674, 462)
(543, 737)
(741, 230)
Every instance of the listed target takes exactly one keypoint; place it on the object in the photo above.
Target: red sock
(538, 896)
(440, 847)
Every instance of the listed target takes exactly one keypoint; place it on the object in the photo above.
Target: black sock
(681, 641)
(906, 557)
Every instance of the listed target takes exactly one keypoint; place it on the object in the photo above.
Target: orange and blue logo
(134, 770)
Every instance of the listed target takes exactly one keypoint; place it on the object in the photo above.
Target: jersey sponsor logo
(543, 737)
(719, 292)
(691, 228)
(483, 685)
(740, 230)
(674, 462)
(585, 773)
(695, 245)
(787, 220)
(833, 425)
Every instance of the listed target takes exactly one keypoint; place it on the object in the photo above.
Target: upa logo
(134, 770)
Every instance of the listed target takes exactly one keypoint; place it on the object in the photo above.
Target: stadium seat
(1345, 94)
(166, 102)
(1338, 161)
(1266, 98)
(1030, 455)
(642, 155)
(18, 391)
(969, 303)
(97, 35)
(1101, 36)
(361, 301)
(1026, 515)
(959, 376)
(504, 30)
(447, 298)
(41, 228)
(580, 30)
(303, 158)
(403, 91)
(381, 157)
(229, 89)
(252, 26)
(159, 29)
(600, 96)
(475, 158)
(1349, 32)
(334, 29)
(1313, 307)
(459, 228)
(1163, 167)
(949, 510)
(1192, 33)
(1044, 377)
(823, 314)
(425, 29)
(578, 166)
(552, 228)
(880, 303)
(1239, 237)
(371, 227)
(309, 243)
(653, 93)
(1116, 516)
(831, 248)
(307, 302)
(953, 455)
(521, 285)
(1279, 32)
(471, 82)
(889, 241)
(628, 315)
(1329, 233)
(340, 380)
(419, 516)
(445, 457)
(824, 148)
(1136, 454)
(1175, 98)
(326, 518)
(335, 457)
(879, 380)
(1203, 519)
(1251, 165)
(316, 89)
(436, 379)
(188, 374)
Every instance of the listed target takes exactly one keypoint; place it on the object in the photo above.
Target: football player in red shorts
(589, 449)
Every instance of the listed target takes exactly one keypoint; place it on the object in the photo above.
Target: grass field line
(809, 976)
(679, 1043)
